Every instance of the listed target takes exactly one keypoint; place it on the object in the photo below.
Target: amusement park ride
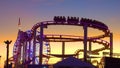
(33, 46)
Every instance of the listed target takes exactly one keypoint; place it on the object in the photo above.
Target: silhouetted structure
(30, 45)
(110, 62)
(7, 56)
(72, 62)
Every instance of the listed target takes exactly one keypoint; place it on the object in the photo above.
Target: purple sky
(33, 11)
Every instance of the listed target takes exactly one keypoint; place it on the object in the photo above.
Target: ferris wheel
(26, 50)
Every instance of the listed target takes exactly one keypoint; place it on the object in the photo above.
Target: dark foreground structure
(111, 62)
(72, 62)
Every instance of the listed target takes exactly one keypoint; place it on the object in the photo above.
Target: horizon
(33, 11)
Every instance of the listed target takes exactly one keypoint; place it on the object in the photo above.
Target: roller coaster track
(72, 38)
(91, 24)
(69, 38)
(66, 38)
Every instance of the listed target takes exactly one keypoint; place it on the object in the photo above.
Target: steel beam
(85, 42)
(63, 49)
(41, 43)
(111, 44)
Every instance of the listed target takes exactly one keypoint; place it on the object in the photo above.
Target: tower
(19, 24)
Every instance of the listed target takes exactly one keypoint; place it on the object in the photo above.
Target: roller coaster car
(95, 24)
(100, 25)
(60, 19)
(73, 20)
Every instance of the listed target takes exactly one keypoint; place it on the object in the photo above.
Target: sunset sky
(34, 11)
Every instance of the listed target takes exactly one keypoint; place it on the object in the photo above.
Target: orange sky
(57, 47)
(33, 11)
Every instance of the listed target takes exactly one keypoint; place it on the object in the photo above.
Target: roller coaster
(33, 46)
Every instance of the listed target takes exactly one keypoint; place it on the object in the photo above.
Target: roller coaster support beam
(41, 43)
(34, 46)
(90, 50)
(63, 49)
(111, 44)
(85, 42)
(29, 49)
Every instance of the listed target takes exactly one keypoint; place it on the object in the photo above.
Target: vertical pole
(20, 53)
(85, 42)
(111, 44)
(23, 52)
(29, 50)
(34, 46)
(7, 56)
(26, 51)
(63, 50)
(90, 50)
(41, 43)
